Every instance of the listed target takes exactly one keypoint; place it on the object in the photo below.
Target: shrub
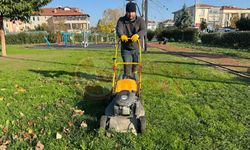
(150, 35)
(243, 24)
(187, 35)
(232, 39)
(26, 38)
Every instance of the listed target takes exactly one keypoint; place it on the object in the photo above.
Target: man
(130, 28)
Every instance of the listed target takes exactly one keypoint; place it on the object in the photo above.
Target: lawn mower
(125, 112)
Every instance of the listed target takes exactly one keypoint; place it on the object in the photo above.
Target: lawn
(189, 105)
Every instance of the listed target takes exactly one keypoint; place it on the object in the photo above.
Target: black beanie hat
(131, 7)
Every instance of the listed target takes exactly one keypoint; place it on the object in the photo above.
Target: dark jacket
(129, 28)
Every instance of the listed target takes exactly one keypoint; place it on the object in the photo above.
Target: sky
(159, 10)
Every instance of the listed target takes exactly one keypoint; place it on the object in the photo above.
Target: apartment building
(214, 16)
(57, 19)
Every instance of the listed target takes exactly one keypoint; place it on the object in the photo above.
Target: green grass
(188, 105)
(237, 53)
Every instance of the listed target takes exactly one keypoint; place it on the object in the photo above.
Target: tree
(233, 21)
(17, 10)
(42, 27)
(184, 20)
(106, 25)
(61, 26)
(112, 15)
(243, 24)
(150, 35)
(203, 25)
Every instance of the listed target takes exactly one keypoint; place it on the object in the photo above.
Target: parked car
(226, 30)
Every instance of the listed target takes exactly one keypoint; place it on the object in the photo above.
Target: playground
(78, 40)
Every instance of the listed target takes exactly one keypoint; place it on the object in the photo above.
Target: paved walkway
(227, 63)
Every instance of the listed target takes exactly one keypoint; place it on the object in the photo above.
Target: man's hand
(135, 38)
(124, 38)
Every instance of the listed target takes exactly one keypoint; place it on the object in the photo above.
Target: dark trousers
(130, 56)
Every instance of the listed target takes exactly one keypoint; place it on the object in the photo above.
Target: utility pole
(142, 8)
(143, 16)
(146, 21)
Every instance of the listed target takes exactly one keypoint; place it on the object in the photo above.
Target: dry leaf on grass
(39, 146)
(26, 136)
(20, 89)
(42, 131)
(3, 147)
(21, 115)
(71, 124)
(84, 124)
(5, 130)
(30, 122)
(66, 130)
(14, 136)
(77, 112)
(58, 136)
(30, 131)
(1, 98)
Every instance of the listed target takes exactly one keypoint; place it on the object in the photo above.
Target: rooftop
(61, 11)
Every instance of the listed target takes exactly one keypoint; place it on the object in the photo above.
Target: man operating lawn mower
(130, 28)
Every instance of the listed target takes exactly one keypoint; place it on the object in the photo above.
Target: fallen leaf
(84, 124)
(30, 122)
(3, 89)
(21, 114)
(77, 112)
(58, 136)
(20, 89)
(3, 147)
(1, 98)
(30, 131)
(7, 142)
(42, 131)
(70, 124)
(45, 118)
(39, 146)
(13, 122)
(34, 136)
(66, 130)
(60, 104)
(5, 130)
(26, 136)
(15, 136)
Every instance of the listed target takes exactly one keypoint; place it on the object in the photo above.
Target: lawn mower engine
(124, 114)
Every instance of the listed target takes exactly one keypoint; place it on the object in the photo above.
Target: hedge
(25, 38)
(187, 35)
(231, 39)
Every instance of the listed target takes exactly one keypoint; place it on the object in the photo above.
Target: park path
(237, 66)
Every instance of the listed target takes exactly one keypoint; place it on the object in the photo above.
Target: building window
(202, 12)
(37, 18)
(216, 19)
(34, 18)
(214, 11)
(210, 19)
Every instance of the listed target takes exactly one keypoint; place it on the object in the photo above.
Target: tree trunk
(107, 38)
(2, 37)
